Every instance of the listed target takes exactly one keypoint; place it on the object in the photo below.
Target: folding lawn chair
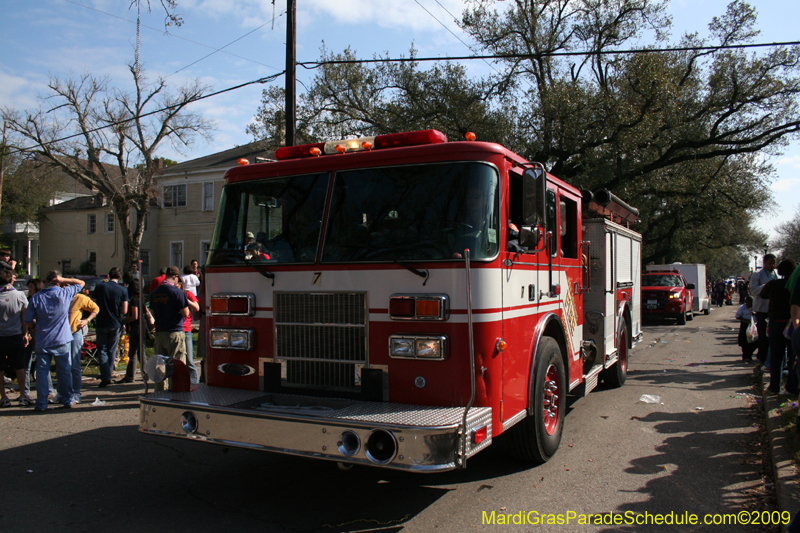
(89, 352)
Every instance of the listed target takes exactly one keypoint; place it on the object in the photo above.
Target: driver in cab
(253, 249)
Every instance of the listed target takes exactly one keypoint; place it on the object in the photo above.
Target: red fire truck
(401, 300)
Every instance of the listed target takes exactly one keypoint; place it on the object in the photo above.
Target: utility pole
(291, 73)
(2, 162)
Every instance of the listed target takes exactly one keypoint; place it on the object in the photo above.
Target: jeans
(63, 373)
(76, 346)
(107, 339)
(780, 346)
(190, 359)
(29, 361)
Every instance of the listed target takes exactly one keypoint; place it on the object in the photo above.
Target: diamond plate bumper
(426, 439)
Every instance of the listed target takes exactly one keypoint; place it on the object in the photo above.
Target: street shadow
(709, 448)
(135, 480)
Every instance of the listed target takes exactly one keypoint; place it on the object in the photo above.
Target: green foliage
(355, 100)
(87, 268)
(680, 135)
(27, 187)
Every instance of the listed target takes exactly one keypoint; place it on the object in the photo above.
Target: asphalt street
(698, 450)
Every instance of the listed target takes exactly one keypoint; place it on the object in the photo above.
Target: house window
(144, 255)
(91, 223)
(175, 195)
(176, 254)
(109, 222)
(66, 266)
(208, 196)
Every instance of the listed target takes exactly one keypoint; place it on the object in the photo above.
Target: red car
(665, 294)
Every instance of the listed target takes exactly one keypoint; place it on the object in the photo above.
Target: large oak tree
(682, 134)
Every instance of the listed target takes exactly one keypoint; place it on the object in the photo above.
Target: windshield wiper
(413, 270)
(258, 268)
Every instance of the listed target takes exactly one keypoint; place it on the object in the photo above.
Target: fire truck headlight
(675, 295)
(234, 339)
(220, 338)
(400, 347)
(429, 348)
(418, 346)
(238, 339)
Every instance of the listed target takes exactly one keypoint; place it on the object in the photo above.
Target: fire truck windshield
(273, 220)
(413, 213)
(386, 214)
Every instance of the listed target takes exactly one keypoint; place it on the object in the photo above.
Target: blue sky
(73, 37)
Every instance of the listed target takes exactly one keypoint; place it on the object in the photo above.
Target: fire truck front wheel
(537, 437)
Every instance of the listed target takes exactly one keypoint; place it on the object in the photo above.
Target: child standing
(744, 314)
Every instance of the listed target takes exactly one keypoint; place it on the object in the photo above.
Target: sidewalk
(787, 485)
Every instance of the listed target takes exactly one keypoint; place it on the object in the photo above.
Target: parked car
(22, 286)
(90, 281)
(665, 294)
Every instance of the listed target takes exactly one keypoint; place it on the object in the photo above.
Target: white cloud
(794, 161)
(386, 13)
(787, 185)
(19, 92)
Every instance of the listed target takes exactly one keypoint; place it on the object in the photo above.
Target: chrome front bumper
(389, 435)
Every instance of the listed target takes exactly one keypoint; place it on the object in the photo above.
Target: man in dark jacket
(112, 298)
(169, 307)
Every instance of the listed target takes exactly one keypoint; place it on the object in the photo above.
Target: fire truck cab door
(525, 288)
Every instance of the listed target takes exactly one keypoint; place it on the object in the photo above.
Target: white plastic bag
(650, 398)
(752, 332)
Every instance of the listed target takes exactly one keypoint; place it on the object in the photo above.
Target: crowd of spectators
(770, 324)
(49, 327)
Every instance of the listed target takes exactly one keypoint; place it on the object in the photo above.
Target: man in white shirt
(761, 305)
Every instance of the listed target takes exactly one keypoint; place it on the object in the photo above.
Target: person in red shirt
(158, 280)
(194, 306)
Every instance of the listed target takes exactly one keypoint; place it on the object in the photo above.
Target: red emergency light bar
(411, 138)
(295, 152)
(394, 140)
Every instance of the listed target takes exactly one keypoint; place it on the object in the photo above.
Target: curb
(787, 486)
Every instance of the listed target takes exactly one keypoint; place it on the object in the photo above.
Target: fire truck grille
(321, 338)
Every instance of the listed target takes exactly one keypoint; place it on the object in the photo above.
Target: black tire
(691, 315)
(706, 311)
(615, 375)
(682, 316)
(537, 437)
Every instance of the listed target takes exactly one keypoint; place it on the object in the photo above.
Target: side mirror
(530, 236)
(690, 286)
(534, 187)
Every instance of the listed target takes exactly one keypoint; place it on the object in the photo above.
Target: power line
(227, 45)
(316, 64)
(265, 79)
(189, 40)
(449, 30)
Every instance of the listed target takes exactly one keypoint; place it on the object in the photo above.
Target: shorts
(11, 348)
